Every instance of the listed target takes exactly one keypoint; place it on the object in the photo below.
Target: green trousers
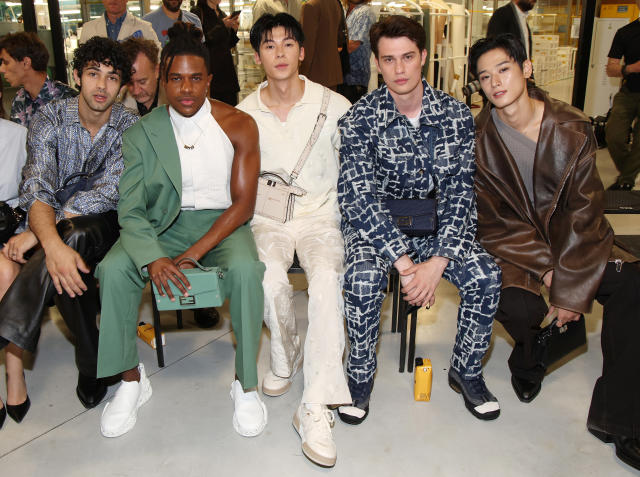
(626, 109)
(121, 289)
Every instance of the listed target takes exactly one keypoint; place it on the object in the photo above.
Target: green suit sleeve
(137, 235)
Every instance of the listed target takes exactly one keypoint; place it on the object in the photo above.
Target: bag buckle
(405, 220)
(188, 300)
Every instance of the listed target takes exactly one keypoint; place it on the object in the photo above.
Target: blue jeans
(477, 277)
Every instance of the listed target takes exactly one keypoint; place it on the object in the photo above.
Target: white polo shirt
(281, 144)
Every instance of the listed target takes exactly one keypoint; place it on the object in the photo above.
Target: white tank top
(206, 157)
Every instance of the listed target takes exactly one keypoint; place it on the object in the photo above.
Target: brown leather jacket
(565, 230)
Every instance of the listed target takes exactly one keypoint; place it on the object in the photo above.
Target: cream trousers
(320, 248)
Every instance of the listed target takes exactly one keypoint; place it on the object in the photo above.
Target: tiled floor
(186, 430)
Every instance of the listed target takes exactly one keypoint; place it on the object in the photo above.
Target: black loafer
(627, 448)
(90, 391)
(206, 317)
(525, 390)
(621, 186)
(3, 416)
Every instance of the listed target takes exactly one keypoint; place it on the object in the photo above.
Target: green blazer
(150, 186)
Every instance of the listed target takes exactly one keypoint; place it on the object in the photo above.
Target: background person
(221, 35)
(118, 24)
(23, 63)
(360, 17)
(169, 12)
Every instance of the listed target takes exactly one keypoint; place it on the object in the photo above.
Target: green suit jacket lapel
(163, 141)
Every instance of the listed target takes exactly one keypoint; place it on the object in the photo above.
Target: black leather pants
(21, 308)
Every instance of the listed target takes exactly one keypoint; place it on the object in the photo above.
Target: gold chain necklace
(189, 147)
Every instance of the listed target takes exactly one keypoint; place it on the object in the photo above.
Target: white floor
(185, 429)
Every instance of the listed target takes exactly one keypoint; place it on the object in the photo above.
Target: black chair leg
(412, 339)
(402, 323)
(179, 318)
(393, 278)
(158, 333)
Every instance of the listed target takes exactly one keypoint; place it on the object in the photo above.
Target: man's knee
(483, 274)
(115, 265)
(364, 277)
(276, 280)
(245, 268)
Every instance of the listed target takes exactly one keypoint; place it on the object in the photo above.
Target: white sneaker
(273, 385)
(314, 422)
(120, 414)
(250, 414)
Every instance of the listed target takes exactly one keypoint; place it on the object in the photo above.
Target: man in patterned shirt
(23, 62)
(403, 141)
(75, 227)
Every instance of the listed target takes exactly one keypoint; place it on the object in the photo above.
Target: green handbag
(204, 293)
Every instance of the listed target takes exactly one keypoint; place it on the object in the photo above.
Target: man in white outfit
(286, 108)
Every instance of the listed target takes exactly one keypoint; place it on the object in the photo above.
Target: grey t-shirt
(521, 148)
(161, 22)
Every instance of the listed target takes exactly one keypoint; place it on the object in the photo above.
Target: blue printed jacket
(383, 156)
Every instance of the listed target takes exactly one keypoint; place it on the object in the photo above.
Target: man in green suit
(188, 190)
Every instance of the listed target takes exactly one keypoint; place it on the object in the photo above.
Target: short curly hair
(184, 39)
(103, 51)
(23, 45)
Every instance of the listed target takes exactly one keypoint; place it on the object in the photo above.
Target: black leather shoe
(350, 418)
(3, 416)
(206, 317)
(525, 390)
(18, 411)
(90, 391)
(627, 448)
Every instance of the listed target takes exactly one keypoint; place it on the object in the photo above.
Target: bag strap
(326, 94)
(194, 262)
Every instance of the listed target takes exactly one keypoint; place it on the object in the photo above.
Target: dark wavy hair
(103, 51)
(262, 28)
(511, 45)
(23, 45)
(397, 26)
(184, 39)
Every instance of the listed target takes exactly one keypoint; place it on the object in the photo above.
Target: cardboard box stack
(550, 61)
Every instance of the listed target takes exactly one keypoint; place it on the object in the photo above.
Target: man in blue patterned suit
(404, 141)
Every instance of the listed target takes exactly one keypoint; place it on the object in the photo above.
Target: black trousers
(615, 406)
(21, 308)
(353, 92)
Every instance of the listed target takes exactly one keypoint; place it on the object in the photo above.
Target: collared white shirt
(522, 17)
(13, 138)
(205, 161)
(282, 142)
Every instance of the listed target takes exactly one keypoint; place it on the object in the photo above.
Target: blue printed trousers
(476, 276)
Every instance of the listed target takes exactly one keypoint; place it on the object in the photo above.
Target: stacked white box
(544, 54)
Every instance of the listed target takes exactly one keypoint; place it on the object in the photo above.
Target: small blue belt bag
(205, 289)
(414, 217)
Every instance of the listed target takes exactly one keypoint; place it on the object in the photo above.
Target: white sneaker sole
(251, 432)
(275, 392)
(145, 395)
(308, 451)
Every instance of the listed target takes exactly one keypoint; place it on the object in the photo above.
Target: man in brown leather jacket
(540, 213)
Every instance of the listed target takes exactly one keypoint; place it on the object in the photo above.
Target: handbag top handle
(194, 262)
(326, 94)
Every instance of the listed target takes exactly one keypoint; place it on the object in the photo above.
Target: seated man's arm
(581, 238)
(242, 131)
(63, 262)
(503, 234)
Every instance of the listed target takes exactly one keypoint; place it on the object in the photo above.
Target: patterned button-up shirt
(59, 146)
(359, 23)
(382, 156)
(24, 106)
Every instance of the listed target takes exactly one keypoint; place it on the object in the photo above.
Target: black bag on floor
(10, 219)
